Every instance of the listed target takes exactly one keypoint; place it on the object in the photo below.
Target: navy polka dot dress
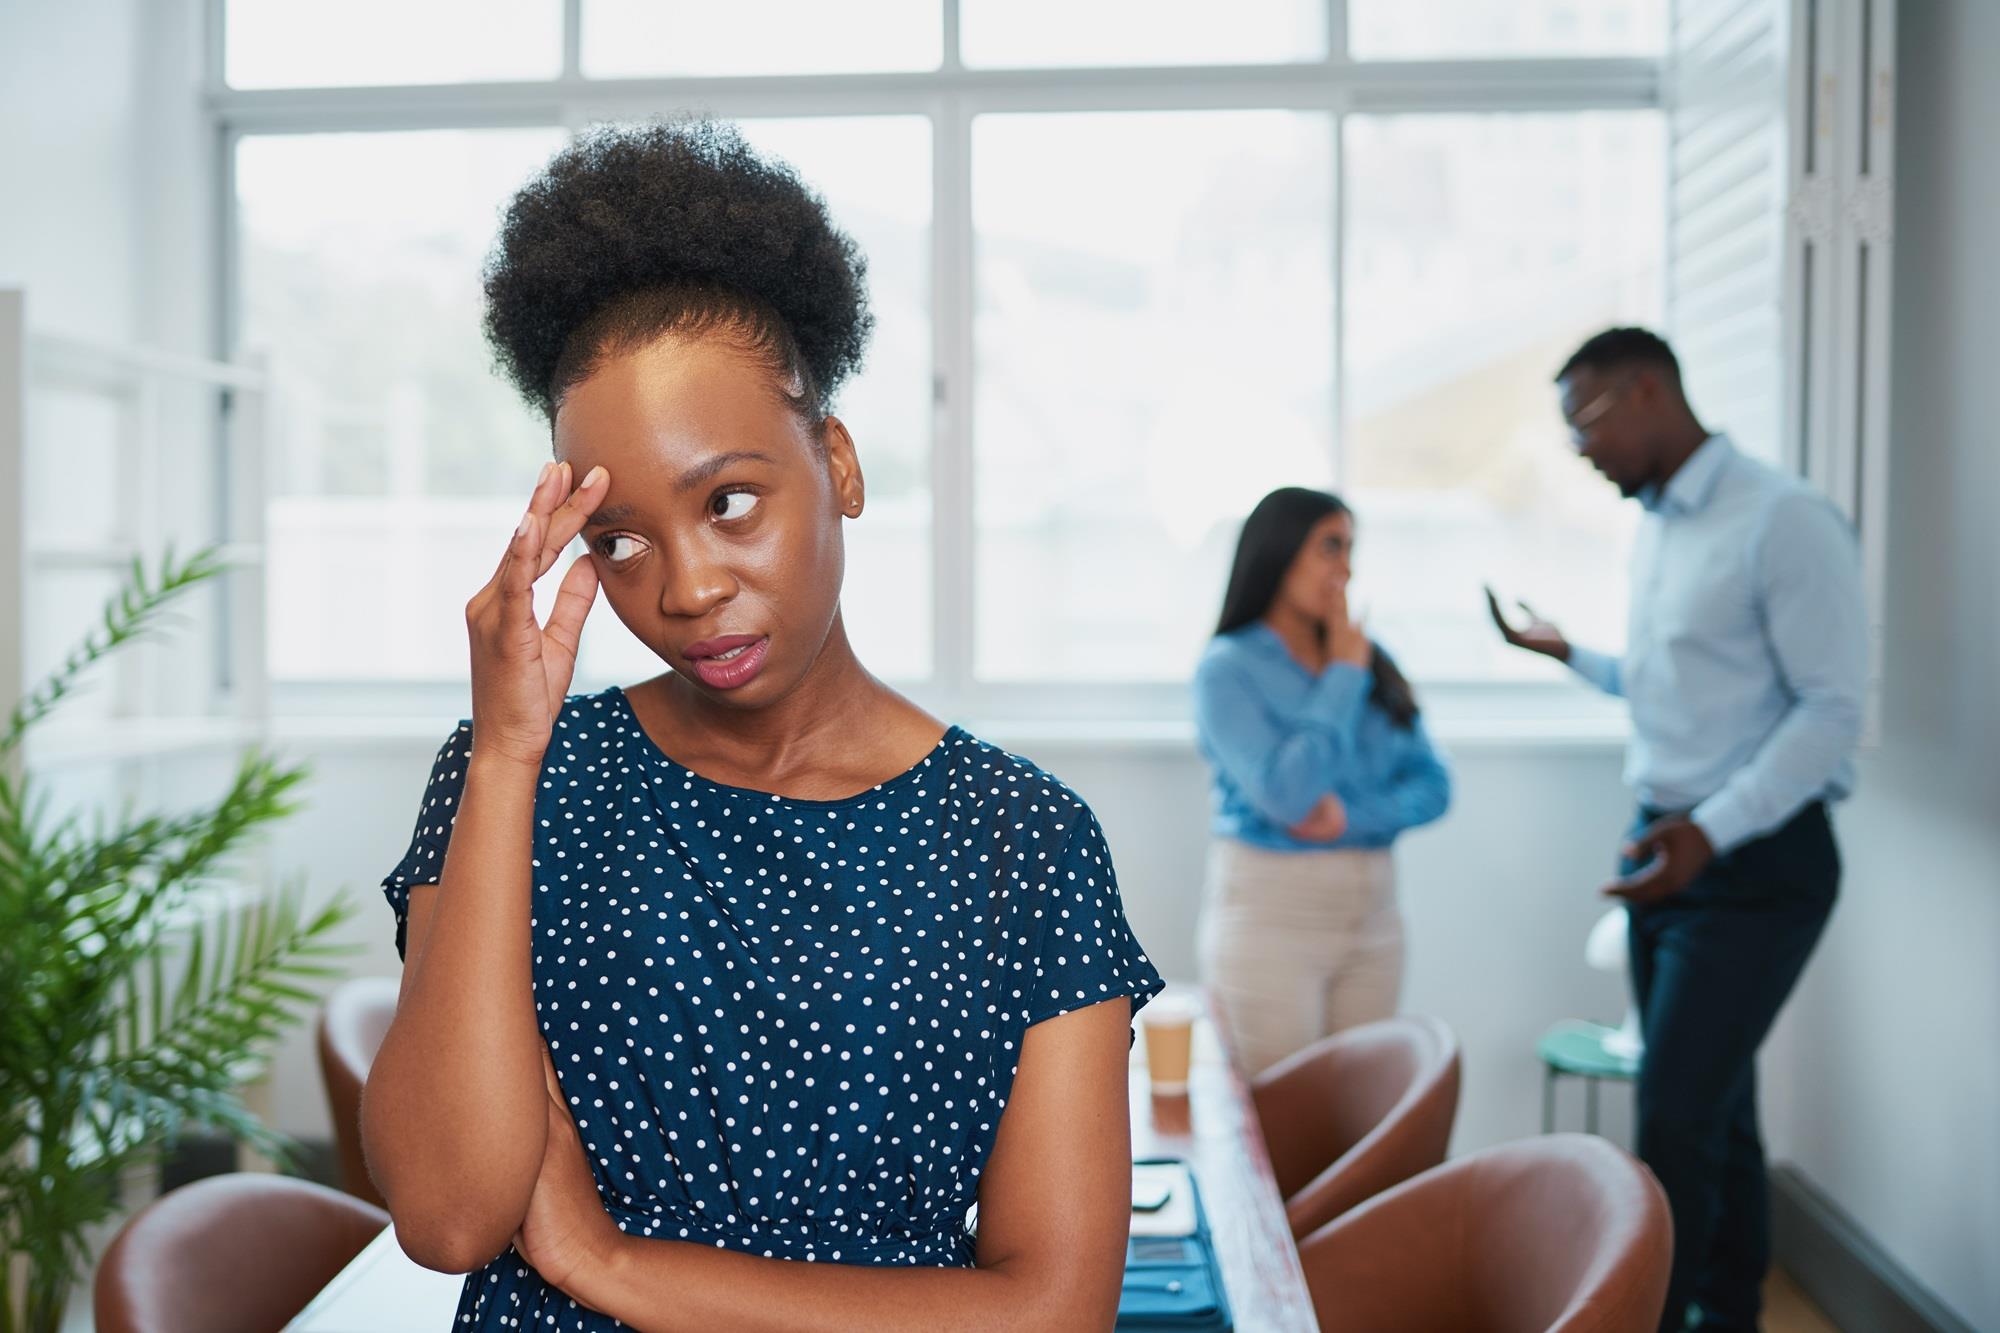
(789, 1027)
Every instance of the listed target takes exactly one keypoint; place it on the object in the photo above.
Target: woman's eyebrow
(605, 516)
(707, 468)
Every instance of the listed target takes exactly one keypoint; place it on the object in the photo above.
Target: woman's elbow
(449, 1216)
(450, 1228)
(1430, 800)
(437, 1239)
(1442, 798)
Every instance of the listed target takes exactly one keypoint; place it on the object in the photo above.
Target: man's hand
(1672, 851)
(1537, 636)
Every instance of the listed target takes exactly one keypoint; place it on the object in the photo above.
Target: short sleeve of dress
(424, 861)
(1084, 950)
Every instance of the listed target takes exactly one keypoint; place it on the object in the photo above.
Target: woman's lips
(729, 662)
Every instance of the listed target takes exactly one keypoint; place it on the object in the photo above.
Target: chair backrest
(1565, 1232)
(351, 1027)
(239, 1252)
(1358, 1112)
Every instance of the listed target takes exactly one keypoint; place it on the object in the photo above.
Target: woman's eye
(732, 504)
(618, 548)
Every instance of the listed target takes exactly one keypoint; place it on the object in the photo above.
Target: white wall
(1890, 1053)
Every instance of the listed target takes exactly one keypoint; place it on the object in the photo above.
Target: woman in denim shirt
(1320, 760)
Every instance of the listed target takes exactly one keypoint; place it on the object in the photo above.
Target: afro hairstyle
(637, 231)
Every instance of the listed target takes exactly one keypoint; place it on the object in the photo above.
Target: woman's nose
(694, 585)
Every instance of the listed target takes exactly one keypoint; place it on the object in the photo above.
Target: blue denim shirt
(1278, 737)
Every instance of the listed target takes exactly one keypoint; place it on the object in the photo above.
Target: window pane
(875, 175)
(1480, 250)
(402, 458)
(291, 44)
(636, 38)
(1154, 343)
(1447, 29)
(1009, 33)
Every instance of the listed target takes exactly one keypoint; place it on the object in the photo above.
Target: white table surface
(383, 1291)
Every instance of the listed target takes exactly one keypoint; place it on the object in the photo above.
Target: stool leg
(1590, 1106)
(1548, 1099)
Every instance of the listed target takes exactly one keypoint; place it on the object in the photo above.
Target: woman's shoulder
(603, 712)
(1254, 642)
(1235, 655)
(1013, 785)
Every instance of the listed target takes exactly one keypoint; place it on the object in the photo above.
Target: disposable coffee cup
(1168, 1022)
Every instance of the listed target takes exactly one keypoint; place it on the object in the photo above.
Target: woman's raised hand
(521, 669)
(1346, 640)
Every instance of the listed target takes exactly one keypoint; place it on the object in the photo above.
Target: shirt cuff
(1724, 823)
(1600, 669)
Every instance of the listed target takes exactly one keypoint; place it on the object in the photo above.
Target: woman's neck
(1304, 638)
(839, 729)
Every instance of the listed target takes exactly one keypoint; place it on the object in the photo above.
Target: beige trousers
(1295, 946)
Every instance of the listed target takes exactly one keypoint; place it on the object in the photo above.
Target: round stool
(1576, 1048)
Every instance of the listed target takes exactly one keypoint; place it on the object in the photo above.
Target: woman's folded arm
(1054, 1211)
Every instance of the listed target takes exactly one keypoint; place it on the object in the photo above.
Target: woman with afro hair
(727, 995)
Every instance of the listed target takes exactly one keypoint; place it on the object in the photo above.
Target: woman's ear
(844, 468)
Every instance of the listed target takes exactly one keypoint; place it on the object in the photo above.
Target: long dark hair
(1272, 536)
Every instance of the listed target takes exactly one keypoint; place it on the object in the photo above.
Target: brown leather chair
(351, 1028)
(237, 1253)
(1356, 1113)
(1565, 1232)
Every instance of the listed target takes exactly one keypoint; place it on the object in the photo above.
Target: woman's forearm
(455, 1118)
(661, 1286)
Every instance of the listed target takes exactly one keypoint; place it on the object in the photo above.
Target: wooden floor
(1788, 1310)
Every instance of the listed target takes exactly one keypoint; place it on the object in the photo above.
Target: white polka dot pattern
(790, 1027)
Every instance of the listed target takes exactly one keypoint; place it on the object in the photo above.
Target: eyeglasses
(1594, 411)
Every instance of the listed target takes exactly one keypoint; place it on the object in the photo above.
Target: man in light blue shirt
(1746, 671)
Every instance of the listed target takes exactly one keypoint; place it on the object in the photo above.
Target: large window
(1477, 250)
(1131, 267)
(1153, 350)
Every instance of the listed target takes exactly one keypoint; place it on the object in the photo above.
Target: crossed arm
(1053, 1209)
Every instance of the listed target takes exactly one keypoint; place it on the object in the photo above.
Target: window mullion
(572, 40)
(951, 59)
(952, 517)
(1337, 374)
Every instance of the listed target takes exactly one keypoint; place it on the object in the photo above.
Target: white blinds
(1725, 203)
(1781, 200)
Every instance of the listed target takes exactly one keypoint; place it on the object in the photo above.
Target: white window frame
(951, 97)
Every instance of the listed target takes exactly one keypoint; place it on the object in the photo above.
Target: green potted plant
(126, 1013)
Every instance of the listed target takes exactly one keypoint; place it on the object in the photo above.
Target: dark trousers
(1711, 966)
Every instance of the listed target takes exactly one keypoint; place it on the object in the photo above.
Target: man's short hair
(1615, 349)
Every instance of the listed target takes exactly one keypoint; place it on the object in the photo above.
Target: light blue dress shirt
(1278, 737)
(1746, 664)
